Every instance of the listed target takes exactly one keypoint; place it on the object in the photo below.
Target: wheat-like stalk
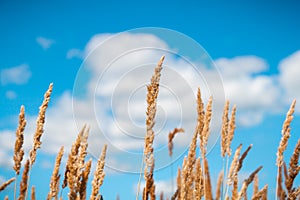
(234, 165)
(247, 183)
(224, 131)
(219, 185)
(24, 181)
(177, 193)
(40, 125)
(243, 156)
(98, 175)
(7, 183)
(204, 134)
(261, 194)
(84, 180)
(231, 128)
(171, 137)
(200, 112)
(151, 98)
(294, 194)
(285, 134)
(199, 184)
(32, 193)
(54, 183)
(255, 185)
(293, 168)
(187, 171)
(207, 182)
(19, 151)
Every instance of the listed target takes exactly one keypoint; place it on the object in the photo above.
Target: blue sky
(254, 44)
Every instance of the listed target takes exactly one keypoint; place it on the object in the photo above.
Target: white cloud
(110, 91)
(7, 138)
(11, 94)
(45, 43)
(120, 67)
(15, 75)
(254, 94)
(289, 77)
(75, 53)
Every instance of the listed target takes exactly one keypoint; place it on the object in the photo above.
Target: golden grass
(19, 151)
(171, 137)
(6, 183)
(193, 177)
(40, 125)
(54, 183)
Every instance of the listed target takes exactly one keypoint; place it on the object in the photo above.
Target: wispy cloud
(253, 93)
(45, 43)
(74, 53)
(289, 77)
(10, 94)
(15, 75)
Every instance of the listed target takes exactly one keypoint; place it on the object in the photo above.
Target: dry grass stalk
(243, 156)
(24, 181)
(255, 185)
(234, 165)
(80, 160)
(285, 172)
(71, 169)
(161, 197)
(83, 148)
(98, 175)
(32, 193)
(200, 112)
(152, 95)
(280, 191)
(219, 185)
(177, 193)
(285, 134)
(54, 183)
(40, 125)
(231, 129)
(207, 182)
(183, 184)
(224, 132)
(19, 151)
(84, 180)
(198, 188)
(7, 183)
(235, 191)
(204, 135)
(293, 167)
(187, 171)
(171, 137)
(294, 194)
(260, 194)
(247, 182)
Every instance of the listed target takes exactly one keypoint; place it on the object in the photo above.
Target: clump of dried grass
(194, 177)
(77, 169)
